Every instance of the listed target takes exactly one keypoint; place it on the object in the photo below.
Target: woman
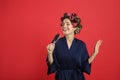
(68, 57)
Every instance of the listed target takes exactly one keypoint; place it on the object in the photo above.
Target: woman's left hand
(96, 50)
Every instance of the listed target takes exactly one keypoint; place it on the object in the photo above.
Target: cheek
(70, 27)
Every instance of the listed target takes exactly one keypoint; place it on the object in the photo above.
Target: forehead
(66, 20)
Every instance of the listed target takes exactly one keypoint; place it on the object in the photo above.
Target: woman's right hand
(50, 48)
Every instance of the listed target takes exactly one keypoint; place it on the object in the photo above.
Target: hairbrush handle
(56, 38)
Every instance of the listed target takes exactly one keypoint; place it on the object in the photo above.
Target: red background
(28, 26)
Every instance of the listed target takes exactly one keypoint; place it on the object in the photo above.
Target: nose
(64, 26)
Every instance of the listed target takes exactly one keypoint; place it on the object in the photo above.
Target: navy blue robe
(69, 63)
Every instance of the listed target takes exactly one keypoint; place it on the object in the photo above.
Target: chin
(66, 33)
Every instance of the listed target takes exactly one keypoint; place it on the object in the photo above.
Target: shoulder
(81, 42)
(60, 41)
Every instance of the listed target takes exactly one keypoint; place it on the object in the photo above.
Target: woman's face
(67, 27)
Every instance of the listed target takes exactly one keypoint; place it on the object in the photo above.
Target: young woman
(68, 57)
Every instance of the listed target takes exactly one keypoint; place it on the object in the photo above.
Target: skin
(68, 31)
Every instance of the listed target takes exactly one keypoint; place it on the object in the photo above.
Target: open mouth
(65, 30)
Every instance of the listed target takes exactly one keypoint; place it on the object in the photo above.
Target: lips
(65, 29)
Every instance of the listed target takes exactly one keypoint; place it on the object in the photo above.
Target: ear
(75, 28)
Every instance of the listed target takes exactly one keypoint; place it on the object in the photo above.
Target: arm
(50, 58)
(96, 50)
(50, 49)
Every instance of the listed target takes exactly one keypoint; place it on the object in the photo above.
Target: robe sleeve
(52, 68)
(85, 66)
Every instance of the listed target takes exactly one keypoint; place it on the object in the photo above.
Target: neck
(69, 37)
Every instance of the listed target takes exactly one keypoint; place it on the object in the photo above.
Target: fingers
(50, 47)
(99, 42)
